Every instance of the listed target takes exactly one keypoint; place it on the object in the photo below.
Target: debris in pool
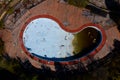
(45, 55)
(94, 40)
(62, 45)
(65, 37)
(29, 49)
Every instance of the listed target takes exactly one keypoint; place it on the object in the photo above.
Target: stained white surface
(45, 37)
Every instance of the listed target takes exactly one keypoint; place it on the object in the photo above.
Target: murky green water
(87, 39)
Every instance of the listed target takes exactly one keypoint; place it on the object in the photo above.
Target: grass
(78, 3)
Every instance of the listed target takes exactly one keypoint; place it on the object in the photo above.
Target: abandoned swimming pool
(44, 39)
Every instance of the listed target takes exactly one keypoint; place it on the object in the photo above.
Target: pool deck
(71, 17)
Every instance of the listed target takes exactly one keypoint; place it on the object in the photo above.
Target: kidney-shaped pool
(45, 39)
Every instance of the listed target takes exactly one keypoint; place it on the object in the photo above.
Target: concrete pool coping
(69, 30)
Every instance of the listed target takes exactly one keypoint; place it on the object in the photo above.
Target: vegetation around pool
(78, 3)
